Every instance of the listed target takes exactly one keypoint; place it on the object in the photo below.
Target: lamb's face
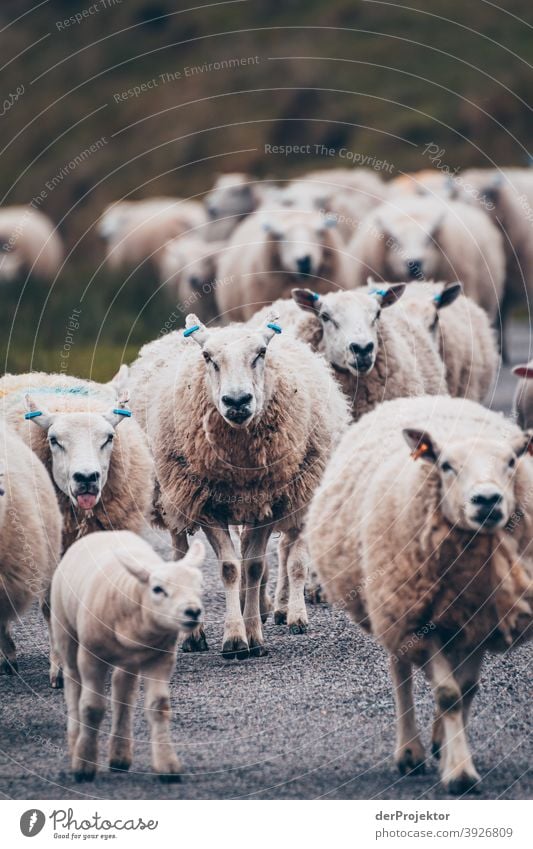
(301, 241)
(350, 323)
(232, 195)
(477, 478)
(235, 365)
(411, 251)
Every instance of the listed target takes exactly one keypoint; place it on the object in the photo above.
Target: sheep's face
(235, 365)
(477, 477)
(349, 323)
(192, 261)
(425, 301)
(232, 195)
(80, 450)
(411, 250)
(300, 240)
(172, 591)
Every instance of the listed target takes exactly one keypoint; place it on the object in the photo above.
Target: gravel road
(313, 719)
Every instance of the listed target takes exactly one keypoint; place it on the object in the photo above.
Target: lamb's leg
(281, 600)
(91, 712)
(67, 647)
(9, 663)
(156, 675)
(409, 755)
(458, 773)
(253, 544)
(196, 640)
(56, 675)
(234, 642)
(467, 676)
(124, 691)
(297, 571)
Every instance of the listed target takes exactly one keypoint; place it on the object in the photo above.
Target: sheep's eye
(208, 359)
(54, 443)
(447, 467)
(512, 462)
(325, 316)
(377, 316)
(260, 356)
(159, 591)
(109, 440)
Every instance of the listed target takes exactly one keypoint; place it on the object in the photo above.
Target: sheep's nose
(195, 282)
(237, 401)
(415, 268)
(361, 350)
(304, 264)
(86, 477)
(193, 613)
(487, 500)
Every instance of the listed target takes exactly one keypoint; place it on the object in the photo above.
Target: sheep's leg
(297, 571)
(234, 642)
(409, 755)
(56, 675)
(9, 663)
(458, 773)
(196, 640)
(72, 686)
(156, 675)
(253, 543)
(281, 600)
(466, 675)
(265, 602)
(125, 688)
(91, 712)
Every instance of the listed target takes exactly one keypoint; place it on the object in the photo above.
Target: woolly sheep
(116, 604)
(523, 400)
(241, 425)
(30, 527)
(232, 198)
(96, 455)
(271, 251)
(188, 267)
(426, 182)
(136, 231)
(425, 238)
(375, 355)
(435, 561)
(29, 244)
(462, 333)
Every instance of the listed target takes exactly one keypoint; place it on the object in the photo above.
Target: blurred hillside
(136, 98)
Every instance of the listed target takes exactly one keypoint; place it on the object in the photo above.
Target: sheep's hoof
(314, 594)
(170, 778)
(280, 617)
(56, 681)
(8, 667)
(298, 627)
(193, 643)
(235, 647)
(83, 775)
(119, 765)
(266, 607)
(411, 762)
(464, 783)
(257, 649)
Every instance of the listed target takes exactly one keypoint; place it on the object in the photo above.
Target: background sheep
(232, 198)
(30, 527)
(188, 267)
(29, 243)
(117, 604)
(424, 238)
(241, 425)
(271, 251)
(97, 458)
(426, 182)
(523, 400)
(436, 562)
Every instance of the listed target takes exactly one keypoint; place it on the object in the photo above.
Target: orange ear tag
(420, 451)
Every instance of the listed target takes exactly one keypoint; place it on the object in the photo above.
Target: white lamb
(421, 530)
(116, 604)
(30, 528)
(29, 244)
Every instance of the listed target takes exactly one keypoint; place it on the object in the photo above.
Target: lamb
(232, 198)
(241, 425)
(375, 355)
(436, 560)
(29, 244)
(426, 238)
(95, 453)
(188, 267)
(136, 231)
(462, 333)
(117, 604)
(523, 400)
(271, 251)
(30, 526)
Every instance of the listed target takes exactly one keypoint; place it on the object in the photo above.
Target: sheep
(523, 400)
(116, 604)
(375, 355)
(240, 425)
(435, 561)
(29, 244)
(426, 182)
(270, 251)
(462, 332)
(232, 198)
(188, 267)
(425, 238)
(30, 527)
(136, 231)
(95, 453)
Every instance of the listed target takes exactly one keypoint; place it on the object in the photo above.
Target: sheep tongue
(86, 502)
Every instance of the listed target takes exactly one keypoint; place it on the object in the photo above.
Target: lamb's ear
(195, 328)
(449, 294)
(195, 555)
(525, 371)
(307, 300)
(421, 444)
(271, 327)
(133, 567)
(37, 414)
(523, 443)
(120, 380)
(388, 295)
(121, 411)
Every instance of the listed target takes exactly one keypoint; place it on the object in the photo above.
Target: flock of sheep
(341, 334)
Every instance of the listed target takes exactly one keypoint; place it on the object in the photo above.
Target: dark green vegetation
(376, 78)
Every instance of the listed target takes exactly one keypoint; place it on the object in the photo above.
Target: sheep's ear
(525, 371)
(271, 327)
(449, 294)
(37, 414)
(195, 555)
(421, 444)
(2, 476)
(387, 296)
(491, 193)
(270, 228)
(195, 328)
(120, 380)
(121, 411)
(523, 443)
(133, 567)
(307, 300)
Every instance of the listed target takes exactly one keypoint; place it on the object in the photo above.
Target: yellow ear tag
(420, 451)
